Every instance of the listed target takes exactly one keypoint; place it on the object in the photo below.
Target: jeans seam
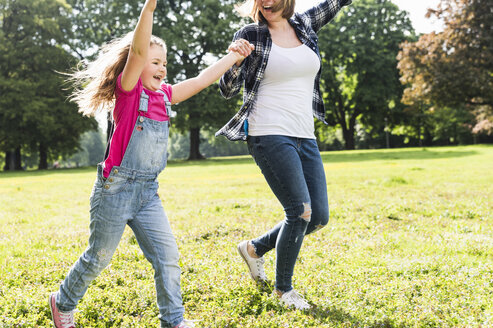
(79, 277)
(275, 176)
(313, 222)
(158, 260)
(284, 260)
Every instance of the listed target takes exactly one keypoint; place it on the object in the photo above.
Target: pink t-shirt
(125, 115)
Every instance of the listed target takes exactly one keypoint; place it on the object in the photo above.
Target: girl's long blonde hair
(95, 82)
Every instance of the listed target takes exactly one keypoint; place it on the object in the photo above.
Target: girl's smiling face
(155, 68)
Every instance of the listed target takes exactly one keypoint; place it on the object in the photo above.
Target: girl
(282, 94)
(130, 72)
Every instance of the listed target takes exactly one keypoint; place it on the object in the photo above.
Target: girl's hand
(137, 56)
(150, 5)
(242, 48)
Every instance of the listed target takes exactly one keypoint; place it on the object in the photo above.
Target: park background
(384, 84)
(407, 153)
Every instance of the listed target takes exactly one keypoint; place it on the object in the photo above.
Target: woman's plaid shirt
(251, 71)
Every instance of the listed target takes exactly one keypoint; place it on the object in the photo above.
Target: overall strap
(167, 102)
(144, 102)
(143, 108)
(108, 140)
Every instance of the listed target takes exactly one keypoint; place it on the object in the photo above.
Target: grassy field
(409, 244)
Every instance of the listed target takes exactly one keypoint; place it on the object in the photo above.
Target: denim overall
(129, 196)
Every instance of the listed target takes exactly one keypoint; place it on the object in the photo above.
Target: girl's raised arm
(188, 88)
(139, 48)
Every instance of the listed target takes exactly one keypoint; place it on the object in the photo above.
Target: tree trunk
(346, 126)
(348, 132)
(18, 159)
(43, 157)
(13, 160)
(348, 138)
(195, 145)
(9, 161)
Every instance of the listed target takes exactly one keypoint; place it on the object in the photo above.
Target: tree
(91, 151)
(453, 68)
(197, 31)
(360, 78)
(34, 112)
(97, 22)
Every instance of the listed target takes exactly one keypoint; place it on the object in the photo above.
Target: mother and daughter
(127, 77)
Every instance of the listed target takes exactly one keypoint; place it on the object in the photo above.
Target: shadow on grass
(347, 156)
(395, 154)
(234, 160)
(327, 157)
(35, 173)
(351, 156)
(339, 316)
(328, 313)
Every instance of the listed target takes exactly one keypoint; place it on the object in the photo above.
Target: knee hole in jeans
(307, 213)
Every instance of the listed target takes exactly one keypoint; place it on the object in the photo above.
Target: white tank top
(285, 94)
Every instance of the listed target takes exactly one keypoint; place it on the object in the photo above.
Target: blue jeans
(294, 171)
(131, 199)
(129, 196)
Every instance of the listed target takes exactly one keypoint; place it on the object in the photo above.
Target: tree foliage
(34, 113)
(197, 32)
(454, 67)
(95, 22)
(446, 74)
(360, 78)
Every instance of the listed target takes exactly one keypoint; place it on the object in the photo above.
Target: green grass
(409, 244)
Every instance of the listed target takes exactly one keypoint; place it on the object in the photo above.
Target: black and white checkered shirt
(251, 71)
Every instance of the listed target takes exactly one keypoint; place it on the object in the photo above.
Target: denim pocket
(253, 145)
(114, 185)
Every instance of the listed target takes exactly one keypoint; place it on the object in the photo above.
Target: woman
(282, 94)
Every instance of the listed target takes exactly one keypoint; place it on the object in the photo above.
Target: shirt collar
(263, 27)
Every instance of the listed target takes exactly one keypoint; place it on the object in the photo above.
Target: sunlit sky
(416, 8)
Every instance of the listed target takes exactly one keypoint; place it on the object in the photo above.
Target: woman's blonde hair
(94, 83)
(251, 9)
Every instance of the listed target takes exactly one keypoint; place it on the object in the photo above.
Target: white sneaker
(186, 324)
(255, 265)
(293, 299)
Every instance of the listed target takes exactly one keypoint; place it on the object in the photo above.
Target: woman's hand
(241, 47)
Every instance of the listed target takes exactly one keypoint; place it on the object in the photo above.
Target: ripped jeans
(294, 171)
